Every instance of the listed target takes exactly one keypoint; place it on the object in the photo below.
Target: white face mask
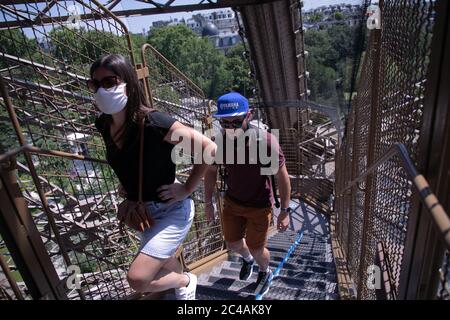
(111, 100)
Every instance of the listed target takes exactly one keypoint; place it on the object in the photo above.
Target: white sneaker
(187, 293)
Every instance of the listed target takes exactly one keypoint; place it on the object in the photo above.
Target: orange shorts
(246, 222)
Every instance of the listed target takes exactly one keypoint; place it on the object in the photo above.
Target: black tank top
(159, 168)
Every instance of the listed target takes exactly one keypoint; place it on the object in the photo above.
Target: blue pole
(286, 257)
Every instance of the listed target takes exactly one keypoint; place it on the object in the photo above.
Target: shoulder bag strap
(141, 157)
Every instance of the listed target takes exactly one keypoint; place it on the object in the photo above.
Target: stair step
(281, 293)
(289, 265)
(321, 258)
(234, 273)
(228, 289)
(299, 260)
(283, 282)
(214, 293)
(302, 241)
(296, 254)
(241, 289)
(301, 248)
(305, 284)
(306, 236)
(287, 244)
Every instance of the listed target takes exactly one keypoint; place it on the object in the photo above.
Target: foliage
(90, 45)
(316, 17)
(330, 60)
(194, 56)
(239, 68)
(338, 16)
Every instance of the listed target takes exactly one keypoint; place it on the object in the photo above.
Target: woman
(119, 95)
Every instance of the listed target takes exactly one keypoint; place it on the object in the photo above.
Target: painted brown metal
(24, 241)
(9, 277)
(42, 196)
(379, 205)
(374, 111)
(425, 247)
(49, 105)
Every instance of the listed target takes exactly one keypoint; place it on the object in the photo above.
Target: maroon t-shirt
(246, 185)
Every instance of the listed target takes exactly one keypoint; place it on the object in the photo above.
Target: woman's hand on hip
(173, 192)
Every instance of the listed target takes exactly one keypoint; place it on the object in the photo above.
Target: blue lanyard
(286, 257)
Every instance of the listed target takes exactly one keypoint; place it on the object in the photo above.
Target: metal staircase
(308, 274)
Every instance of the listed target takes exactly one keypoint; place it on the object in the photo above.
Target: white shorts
(172, 224)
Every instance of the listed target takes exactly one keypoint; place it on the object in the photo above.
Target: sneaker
(263, 282)
(187, 293)
(246, 270)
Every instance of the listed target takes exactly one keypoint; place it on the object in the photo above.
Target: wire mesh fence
(444, 278)
(308, 143)
(11, 285)
(388, 109)
(44, 65)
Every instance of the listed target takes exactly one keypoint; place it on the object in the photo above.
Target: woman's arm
(200, 145)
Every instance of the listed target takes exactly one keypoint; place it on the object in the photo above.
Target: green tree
(338, 16)
(316, 17)
(194, 56)
(171, 41)
(137, 40)
(319, 45)
(331, 58)
(89, 45)
(14, 42)
(342, 39)
(322, 82)
(237, 64)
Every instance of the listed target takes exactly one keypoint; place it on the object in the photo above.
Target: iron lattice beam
(154, 8)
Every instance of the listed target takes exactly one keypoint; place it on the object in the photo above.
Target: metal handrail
(172, 67)
(32, 149)
(431, 202)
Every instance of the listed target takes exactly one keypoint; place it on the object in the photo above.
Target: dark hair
(137, 106)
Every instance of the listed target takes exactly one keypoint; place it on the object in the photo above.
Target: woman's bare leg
(149, 274)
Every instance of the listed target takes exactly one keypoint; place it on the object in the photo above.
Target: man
(249, 198)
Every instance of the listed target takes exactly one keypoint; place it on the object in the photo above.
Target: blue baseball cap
(231, 105)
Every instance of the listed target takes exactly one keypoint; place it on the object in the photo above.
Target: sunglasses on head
(231, 124)
(106, 83)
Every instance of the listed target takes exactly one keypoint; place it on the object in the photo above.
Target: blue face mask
(111, 100)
